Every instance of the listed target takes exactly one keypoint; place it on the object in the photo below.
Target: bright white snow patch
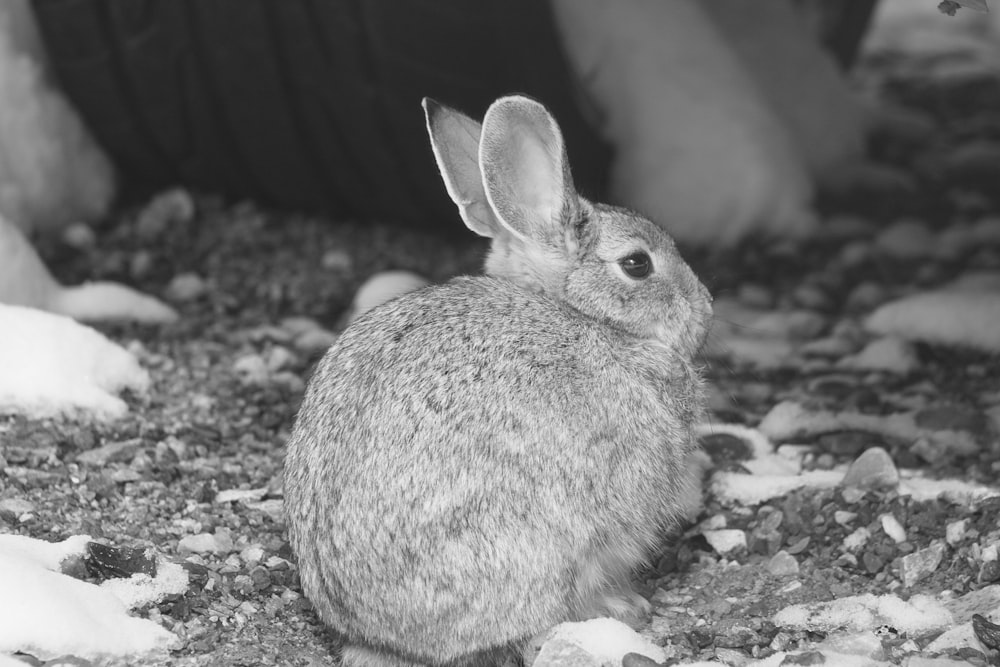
(605, 639)
(964, 314)
(53, 365)
(58, 615)
(920, 615)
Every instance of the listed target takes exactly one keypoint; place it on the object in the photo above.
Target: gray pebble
(874, 469)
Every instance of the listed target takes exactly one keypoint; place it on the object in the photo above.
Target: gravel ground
(262, 294)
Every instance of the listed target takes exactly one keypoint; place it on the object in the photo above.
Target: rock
(240, 495)
(856, 540)
(888, 354)
(783, 564)
(987, 632)
(252, 369)
(79, 235)
(253, 554)
(336, 259)
(812, 297)
(279, 358)
(920, 564)
(906, 239)
(874, 469)
(220, 543)
(382, 287)
(113, 452)
(725, 448)
(105, 561)
(315, 340)
(731, 656)
(985, 601)
(865, 296)
(726, 540)
(167, 208)
(893, 528)
(955, 532)
(755, 296)
(12, 509)
(185, 287)
(597, 642)
(844, 518)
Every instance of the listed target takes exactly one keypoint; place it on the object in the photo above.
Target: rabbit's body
(446, 524)
(477, 461)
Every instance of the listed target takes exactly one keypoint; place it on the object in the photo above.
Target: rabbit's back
(475, 450)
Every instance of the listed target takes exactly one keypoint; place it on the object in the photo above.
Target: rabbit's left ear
(525, 170)
(455, 141)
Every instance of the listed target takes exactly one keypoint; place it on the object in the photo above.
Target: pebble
(384, 286)
(874, 469)
(253, 554)
(219, 543)
(12, 509)
(279, 358)
(315, 340)
(857, 539)
(168, 207)
(812, 297)
(336, 259)
(185, 287)
(920, 564)
(906, 239)
(843, 518)
(726, 540)
(79, 235)
(140, 264)
(955, 531)
(755, 296)
(865, 296)
(123, 451)
(783, 564)
(252, 369)
(893, 528)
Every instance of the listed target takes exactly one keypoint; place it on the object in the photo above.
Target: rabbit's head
(511, 181)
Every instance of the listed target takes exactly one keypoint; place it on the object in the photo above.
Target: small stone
(893, 528)
(906, 239)
(865, 297)
(167, 208)
(874, 469)
(731, 656)
(804, 658)
(261, 578)
(79, 235)
(920, 564)
(783, 564)
(383, 287)
(253, 554)
(726, 541)
(185, 287)
(843, 518)
(857, 539)
(336, 259)
(106, 561)
(252, 369)
(220, 543)
(812, 297)
(12, 509)
(140, 264)
(279, 358)
(113, 452)
(955, 531)
(989, 572)
(315, 340)
(988, 633)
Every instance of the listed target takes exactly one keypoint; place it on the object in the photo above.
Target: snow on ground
(50, 365)
(965, 313)
(57, 615)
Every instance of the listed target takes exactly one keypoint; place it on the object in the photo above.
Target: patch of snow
(140, 589)
(965, 313)
(746, 489)
(606, 640)
(921, 614)
(53, 365)
(58, 615)
(888, 354)
(105, 301)
(958, 491)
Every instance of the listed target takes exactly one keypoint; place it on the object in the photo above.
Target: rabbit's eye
(637, 265)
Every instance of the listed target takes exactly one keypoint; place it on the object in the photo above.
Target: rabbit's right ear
(455, 141)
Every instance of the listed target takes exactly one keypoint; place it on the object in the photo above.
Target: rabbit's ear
(524, 167)
(455, 141)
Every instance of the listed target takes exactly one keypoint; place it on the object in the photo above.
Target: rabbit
(477, 461)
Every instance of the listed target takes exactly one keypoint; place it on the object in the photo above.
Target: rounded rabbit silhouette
(477, 461)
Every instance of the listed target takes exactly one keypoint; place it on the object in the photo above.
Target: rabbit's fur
(477, 461)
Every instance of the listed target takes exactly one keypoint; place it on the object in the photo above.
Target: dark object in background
(306, 104)
(310, 104)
